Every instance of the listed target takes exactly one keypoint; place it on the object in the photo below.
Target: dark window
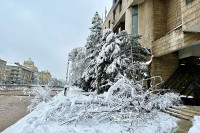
(135, 20)
(188, 1)
(109, 24)
(120, 6)
(114, 15)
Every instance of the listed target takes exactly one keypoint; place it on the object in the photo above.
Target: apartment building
(2, 71)
(18, 74)
(30, 64)
(12, 73)
(26, 74)
(171, 29)
(45, 77)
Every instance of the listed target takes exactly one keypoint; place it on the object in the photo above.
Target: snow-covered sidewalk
(50, 118)
(196, 125)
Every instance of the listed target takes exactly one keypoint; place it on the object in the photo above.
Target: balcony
(168, 43)
(135, 2)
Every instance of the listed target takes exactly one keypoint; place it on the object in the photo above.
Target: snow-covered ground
(13, 89)
(44, 119)
(196, 125)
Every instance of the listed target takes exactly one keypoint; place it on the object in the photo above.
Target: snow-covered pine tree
(94, 38)
(93, 48)
(121, 55)
(131, 56)
(105, 68)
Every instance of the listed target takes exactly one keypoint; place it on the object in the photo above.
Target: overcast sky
(45, 30)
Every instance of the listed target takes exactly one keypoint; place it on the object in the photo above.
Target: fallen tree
(127, 103)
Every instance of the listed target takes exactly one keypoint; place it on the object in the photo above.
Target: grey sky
(45, 30)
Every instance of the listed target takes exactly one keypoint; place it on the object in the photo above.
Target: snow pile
(130, 95)
(40, 95)
(13, 89)
(196, 125)
(77, 113)
(126, 107)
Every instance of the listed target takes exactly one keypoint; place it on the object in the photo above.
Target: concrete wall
(190, 13)
(145, 23)
(174, 17)
(169, 43)
(128, 20)
(164, 66)
(160, 18)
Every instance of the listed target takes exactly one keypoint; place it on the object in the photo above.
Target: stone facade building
(171, 29)
(45, 77)
(30, 64)
(2, 71)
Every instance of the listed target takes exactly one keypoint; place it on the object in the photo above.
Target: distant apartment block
(171, 29)
(30, 64)
(2, 71)
(45, 77)
(18, 74)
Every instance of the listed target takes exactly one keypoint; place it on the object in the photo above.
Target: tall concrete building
(171, 29)
(2, 71)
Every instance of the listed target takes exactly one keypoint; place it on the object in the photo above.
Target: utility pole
(67, 74)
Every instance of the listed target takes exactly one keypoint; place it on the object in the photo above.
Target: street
(12, 109)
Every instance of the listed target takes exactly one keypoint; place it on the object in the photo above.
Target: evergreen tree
(106, 62)
(121, 55)
(94, 38)
(93, 48)
(131, 55)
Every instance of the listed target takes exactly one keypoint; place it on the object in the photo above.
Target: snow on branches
(127, 103)
(108, 57)
(76, 65)
(41, 94)
(121, 55)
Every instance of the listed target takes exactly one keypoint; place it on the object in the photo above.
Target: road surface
(12, 109)
(13, 106)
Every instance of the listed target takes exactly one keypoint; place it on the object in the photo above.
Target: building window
(120, 6)
(135, 20)
(114, 16)
(109, 24)
(188, 1)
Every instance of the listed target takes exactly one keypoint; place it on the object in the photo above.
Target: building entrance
(186, 80)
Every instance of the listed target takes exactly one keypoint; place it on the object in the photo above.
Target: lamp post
(67, 74)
